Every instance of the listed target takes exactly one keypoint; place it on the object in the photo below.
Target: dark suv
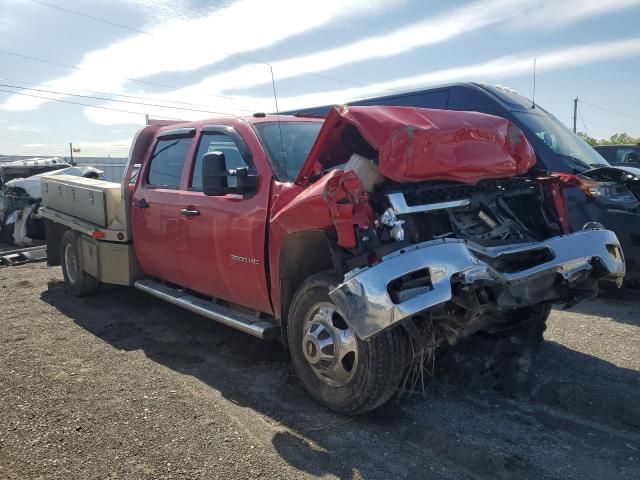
(623, 155)
(603, 193)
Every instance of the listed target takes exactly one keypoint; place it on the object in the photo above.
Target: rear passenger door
(156, 207)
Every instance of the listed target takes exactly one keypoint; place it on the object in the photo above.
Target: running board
(245, 323)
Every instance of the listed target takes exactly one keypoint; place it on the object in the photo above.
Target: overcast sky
(196, 56)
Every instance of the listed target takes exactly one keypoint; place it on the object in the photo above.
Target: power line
(586, 130)
(144, 82)
(97, 19)
(83, 104)
(55, 92)
(118, 94)
(227, 54)
(611, 111)
(613, 129)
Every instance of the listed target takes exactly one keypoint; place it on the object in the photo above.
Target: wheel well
(302, 254)
(54, 233)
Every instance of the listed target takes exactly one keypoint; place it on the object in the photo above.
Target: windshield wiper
(163, 149)
(576, 161)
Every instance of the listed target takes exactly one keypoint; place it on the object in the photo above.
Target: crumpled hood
(417, 144)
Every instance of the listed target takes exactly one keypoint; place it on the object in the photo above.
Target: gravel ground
(122, 385)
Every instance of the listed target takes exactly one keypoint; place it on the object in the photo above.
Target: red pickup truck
(362, 241)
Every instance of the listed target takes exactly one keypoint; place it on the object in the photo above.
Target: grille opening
(519, 261)
(446, 192)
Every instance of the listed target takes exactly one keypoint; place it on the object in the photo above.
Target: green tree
(616, 139)
(590, 140)
(622, 138)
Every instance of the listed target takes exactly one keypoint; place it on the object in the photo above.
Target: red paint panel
(417, 144)
(348, 203)
(223, 248)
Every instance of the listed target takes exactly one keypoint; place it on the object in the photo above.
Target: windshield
(562, 141)
(288, 150)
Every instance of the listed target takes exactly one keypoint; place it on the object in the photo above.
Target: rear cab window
(167, 162)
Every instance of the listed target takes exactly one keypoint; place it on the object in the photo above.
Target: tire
(6, 232)
(77, 281)
(377, 365)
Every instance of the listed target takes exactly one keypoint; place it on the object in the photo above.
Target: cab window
(167, 162)
(622, 155)
(216, 142)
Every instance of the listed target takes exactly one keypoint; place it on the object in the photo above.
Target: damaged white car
(20, 196)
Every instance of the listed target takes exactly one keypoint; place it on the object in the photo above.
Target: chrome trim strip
(399, 204)
(261, 328)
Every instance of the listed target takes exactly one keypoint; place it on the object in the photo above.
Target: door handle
(141, 204)
(189, 212)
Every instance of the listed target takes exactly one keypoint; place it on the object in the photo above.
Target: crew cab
(360, 241)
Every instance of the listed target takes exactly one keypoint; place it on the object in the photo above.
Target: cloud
(17, 128)
(93, 149)
(550, 14)
(431, 31)
(437, 29)
(181, 45)
(498, 68)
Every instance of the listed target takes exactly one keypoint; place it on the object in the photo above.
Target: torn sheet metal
(27, 168)
(348, 203)
(20, 198)
(20, 237)
(32, 185)
(417, 144)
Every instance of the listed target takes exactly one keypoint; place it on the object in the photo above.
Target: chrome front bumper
(365, 301)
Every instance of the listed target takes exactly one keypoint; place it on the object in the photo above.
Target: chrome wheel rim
(329, 345)
(71, 263)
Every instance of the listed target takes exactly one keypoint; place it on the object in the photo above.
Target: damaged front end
(440, 218)
(476, 282)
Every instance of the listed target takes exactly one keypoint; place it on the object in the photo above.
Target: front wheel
(338, 369)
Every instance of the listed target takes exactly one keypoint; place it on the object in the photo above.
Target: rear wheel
(338, 369)
(77, 281)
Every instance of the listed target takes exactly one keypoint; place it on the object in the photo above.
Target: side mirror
(247, 183)
(214, 174)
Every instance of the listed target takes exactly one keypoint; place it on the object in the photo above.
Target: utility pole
(71, 151)
(575, 113)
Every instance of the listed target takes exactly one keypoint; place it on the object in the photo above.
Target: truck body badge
(238, 258)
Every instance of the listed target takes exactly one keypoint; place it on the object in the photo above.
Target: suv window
(216, 142)
(167, 162)
(622, 154)
(437, 99)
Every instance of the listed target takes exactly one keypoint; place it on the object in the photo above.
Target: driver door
(223, 252)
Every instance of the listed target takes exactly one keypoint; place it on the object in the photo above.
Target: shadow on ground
(625, 300)
(452, 432)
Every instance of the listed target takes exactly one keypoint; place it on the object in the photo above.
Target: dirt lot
(122, 385)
